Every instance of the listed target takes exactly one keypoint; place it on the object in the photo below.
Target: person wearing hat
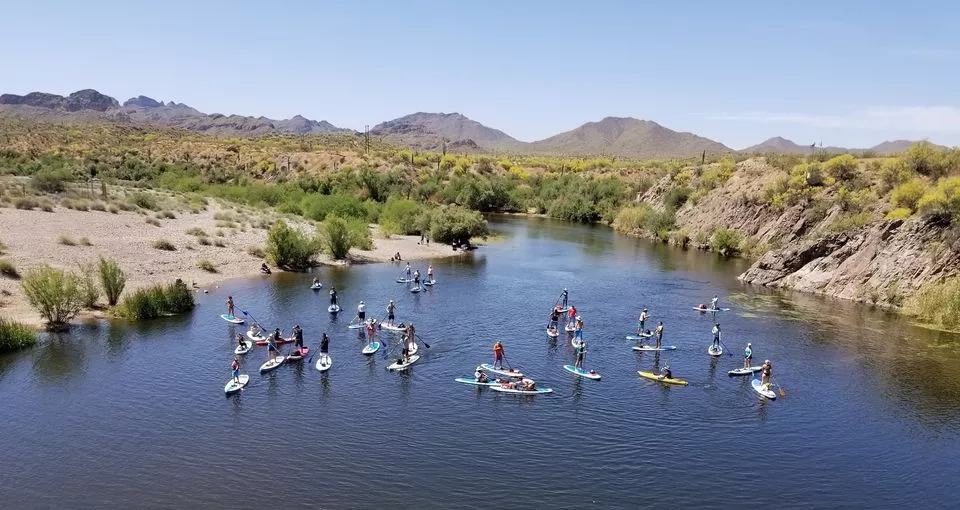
(480, 375)
(390, 309)
(361, 311)
(715, 303)
(665, 372)
(642, 321)
(371, 329)
(564, 296)
(748, 356)
(716, 337)
(659, 333)
(578, 332)
(498, 355)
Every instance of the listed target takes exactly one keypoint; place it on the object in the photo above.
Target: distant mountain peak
(431, 130)
(142, 102)
(627, 136)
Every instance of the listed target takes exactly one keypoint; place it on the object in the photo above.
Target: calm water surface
(135, 416)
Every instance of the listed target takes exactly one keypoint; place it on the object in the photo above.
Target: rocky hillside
(90, 106)
(427, 131)
(780, 145)
(625, 136)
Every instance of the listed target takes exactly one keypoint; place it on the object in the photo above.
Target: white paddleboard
(570, 328)
(416, 290)
(255, 338)
(589, 374)
(744, 371)
(413, 348)
(538, 391)
(714, 310)
(394, 328)
(473, 381)
(430, 283)
(231, 319)
(654, 348)
(715, 352)
(404, 280)
(576, 343)
(371, 348)
(271, 364)
(552, 332)
(234, 386)
(324, 362)
(316, 287)
(765, 391)
(356, 326)
(243, 350)
(641, 336)
(403, 366)
(333, 308)
(502, 371)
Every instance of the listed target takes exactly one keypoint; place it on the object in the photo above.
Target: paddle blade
(782, 393)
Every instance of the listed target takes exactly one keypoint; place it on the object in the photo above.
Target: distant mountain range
(611, 136)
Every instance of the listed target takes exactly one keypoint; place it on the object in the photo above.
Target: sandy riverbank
(32, 238)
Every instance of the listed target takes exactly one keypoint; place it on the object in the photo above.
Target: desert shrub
(89, 290)
(453, 224)
(203, 241)
(15, 336)
(842, 168)
(3, 248)
(113, 209)
(676, 197)
(291, 250)
(207, 266)
(8, 270)
(196, 231)
(847, 222)
(256, 251)
(156, 301)
(66, 240)
(166, 215)
(51, 180)
(26, 203)
(726, 242)
(144, 201)
(338, 235)
(219, 243)
(399, 216)
(98, 206)
(84, 241)
(660, 223)
(899, 214)
(54, 293)
(112, 279)
(908, 194)
(163, 244)
(937, 303)
(153, 221)
(631, 219)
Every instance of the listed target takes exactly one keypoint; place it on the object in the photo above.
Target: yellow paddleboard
(655, 377)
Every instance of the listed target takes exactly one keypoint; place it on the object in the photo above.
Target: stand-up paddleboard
(589, 374)
(552, 332)
(271, 364)
(333, 308)
(575, 342)
(395, 327)
(744, 371)
(233, 319)
(404, 280)
(502, 371)
(430, 283)
(714, 310)
(475, 382)
(278, 343)
(654, 348)
(715, 351)
(504, 389)
(371, 348)
(570, 328)
(255, 338)
(416, 290)
(324, 362)
(641, 336)
(298, 354)
(399, 365)
(359, 325)
(316, 286)
(236, 385)
(247, 345)
(665, 380)
(763, 389)
(413, 348)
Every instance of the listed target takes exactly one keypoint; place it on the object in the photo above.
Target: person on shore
(430, 273)
(480, 375)
(641, 322)
(398, 257)
(578, 329)
(715, 303)
(333, 296)
(411, 336)
(748, 356)
(581, 351)
(241, 342)
(665, 372)
(361, 312)
(563, 298)
(230, 306)
(498, 355)
(391, 308)
(297, 337)
(324, 344)
(716, 337)
(766, 373)
(264, 269)
(659, 333)
(235, 369)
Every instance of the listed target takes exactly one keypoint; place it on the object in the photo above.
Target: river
(135, 416)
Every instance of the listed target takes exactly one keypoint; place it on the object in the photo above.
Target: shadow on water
(62, 359)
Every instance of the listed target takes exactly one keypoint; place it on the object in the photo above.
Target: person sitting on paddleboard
(235, 369)
(241, 342)
(716, 337)
(563, 297)
(361, 311)
(430, 273)
(766, 372)
(665, 373)
(255, 329)
(324, 344)
(480, 375)
(715, 302)
(390, 309)
(316, 282)
(528, 384)
(747, 356)
(230, 306)
(642, 320)
(581, 350)
(578, 332)
(659, 333)
(333, 296)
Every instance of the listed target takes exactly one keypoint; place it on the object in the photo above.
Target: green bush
(144, 201)
(842, 168)
(196, 231)
(85, 241)
(8, 269)
(908, 194)
(26, 203)
(207, 266)
(112, 279)
(899, 213)
(726, 242)
(338, 235)
(937, 303)
(660, 223)
(454, 224)
(89, 290)
(256, 251)
(850, 222)
(15, 336)
(55, 294)
(399, 216)
(163, 244)
(291, 250)
(631, 219)
(676, 197)
(51, 180)
(156, 301)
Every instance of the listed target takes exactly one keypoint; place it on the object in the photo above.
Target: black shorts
(390, 315)
(362, 315)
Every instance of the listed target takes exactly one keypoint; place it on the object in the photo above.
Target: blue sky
(848, 73)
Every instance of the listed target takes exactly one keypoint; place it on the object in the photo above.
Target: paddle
(720, 339)
(782, 393)
(425, 344)
(255, 321)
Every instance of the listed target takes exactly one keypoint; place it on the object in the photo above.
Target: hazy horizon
(851, 75)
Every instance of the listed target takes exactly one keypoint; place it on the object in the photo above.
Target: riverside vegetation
(343, 181)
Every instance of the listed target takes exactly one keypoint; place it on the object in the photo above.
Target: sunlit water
(135, 416)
